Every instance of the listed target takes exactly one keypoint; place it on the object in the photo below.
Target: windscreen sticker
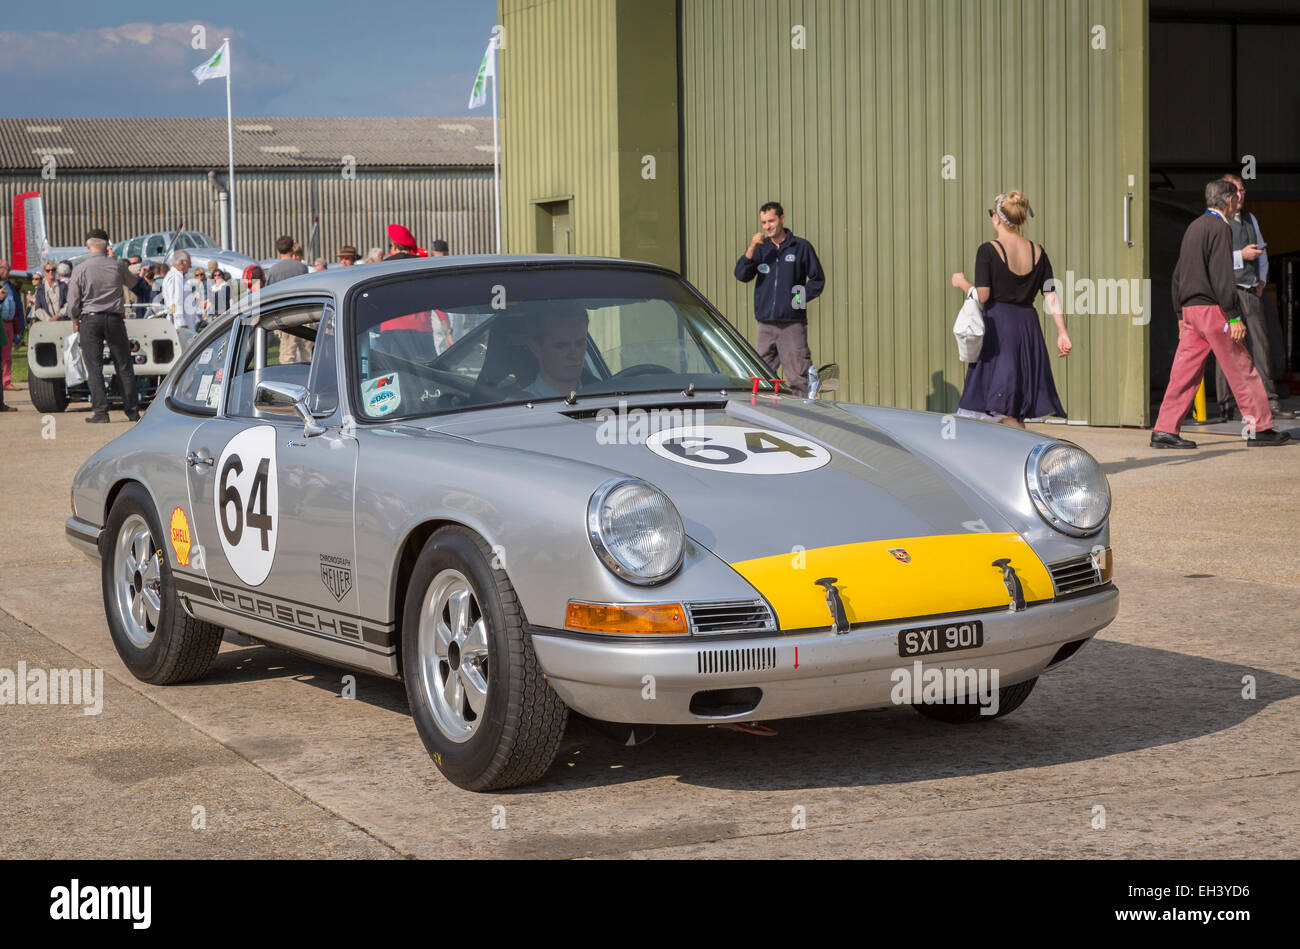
(205, 386)
(205, 357)
(246, 496)
(738, 449)
(214, 395)
(180, 536)
(381, 395)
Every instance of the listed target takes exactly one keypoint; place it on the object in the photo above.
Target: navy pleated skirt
(1013, 376)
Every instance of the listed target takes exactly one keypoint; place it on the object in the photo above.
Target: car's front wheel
(1010, 698)
(157, 641)
(48, 395)
(480, 702)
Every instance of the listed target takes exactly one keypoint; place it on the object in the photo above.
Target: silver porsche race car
(530, 485)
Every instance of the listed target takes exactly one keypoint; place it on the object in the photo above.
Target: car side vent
(713, 661)
(1075, 574)
(732, 616)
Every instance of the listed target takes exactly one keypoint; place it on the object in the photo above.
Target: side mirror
(823, 379)
(286, 398)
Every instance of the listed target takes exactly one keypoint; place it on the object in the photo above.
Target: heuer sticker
(336, 574)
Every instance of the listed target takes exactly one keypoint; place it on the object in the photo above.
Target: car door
(273, 505)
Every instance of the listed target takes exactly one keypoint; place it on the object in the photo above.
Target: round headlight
(1068, 487)
(636, 531)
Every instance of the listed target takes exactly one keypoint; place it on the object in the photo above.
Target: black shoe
(133, 416)
(96, 418)
(1169, 440)
(8, 408)
(1269, 437)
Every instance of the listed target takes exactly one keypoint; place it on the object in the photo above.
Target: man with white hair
(95, 297)
(178, 301)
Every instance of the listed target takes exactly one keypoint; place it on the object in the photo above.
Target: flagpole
(230, 143)
(496, 149)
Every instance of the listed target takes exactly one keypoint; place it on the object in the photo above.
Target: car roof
(338, 280)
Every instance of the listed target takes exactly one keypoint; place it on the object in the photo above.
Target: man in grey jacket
(95, 297)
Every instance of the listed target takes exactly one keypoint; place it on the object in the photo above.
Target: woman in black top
(1012, 380)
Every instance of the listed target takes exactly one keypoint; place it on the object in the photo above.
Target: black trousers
(96, 329)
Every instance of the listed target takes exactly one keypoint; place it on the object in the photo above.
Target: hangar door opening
(1224, 98)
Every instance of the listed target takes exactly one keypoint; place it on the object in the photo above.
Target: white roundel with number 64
(738, 449)
(247, 500)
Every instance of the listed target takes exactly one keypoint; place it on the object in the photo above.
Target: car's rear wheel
(480, 702)
(157, 641)
(1010, 698)
(48, 395)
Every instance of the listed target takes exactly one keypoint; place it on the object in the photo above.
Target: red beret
(401, 236)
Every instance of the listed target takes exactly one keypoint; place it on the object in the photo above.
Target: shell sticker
(180, 536)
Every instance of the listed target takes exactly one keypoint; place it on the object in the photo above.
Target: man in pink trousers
(1209, 320)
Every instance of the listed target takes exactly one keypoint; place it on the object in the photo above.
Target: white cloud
(131, 69)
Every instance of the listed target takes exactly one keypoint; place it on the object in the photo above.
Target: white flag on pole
(216, 67)
(478, 95)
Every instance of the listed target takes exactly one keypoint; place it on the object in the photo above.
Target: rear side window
(200, 385)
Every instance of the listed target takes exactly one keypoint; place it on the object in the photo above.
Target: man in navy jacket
(789, 275)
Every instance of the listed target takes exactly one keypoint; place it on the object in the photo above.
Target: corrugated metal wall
(452, 204)
(559, 130)
(850, 135)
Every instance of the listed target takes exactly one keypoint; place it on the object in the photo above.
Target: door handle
(194, 459)
(1128, 219)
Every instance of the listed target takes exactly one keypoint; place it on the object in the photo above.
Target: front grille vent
(743, 616)
(1075, 574)
(713, 661)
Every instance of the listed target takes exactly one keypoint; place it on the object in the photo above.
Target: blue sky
(323, 57)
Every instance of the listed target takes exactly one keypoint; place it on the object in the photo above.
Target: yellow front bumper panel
(896, 579)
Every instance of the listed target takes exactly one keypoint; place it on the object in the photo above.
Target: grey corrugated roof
(164, 143)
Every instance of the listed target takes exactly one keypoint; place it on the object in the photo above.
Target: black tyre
(480, 702)
(157, 641)
(1010, 698)
(48, 395)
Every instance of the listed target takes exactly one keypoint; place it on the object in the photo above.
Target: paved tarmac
(1148, 723)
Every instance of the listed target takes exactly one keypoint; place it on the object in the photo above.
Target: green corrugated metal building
(653, 129)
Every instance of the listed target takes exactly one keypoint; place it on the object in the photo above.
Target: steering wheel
(642, 369)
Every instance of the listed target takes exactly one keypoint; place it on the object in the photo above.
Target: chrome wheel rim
(137, 580)
(453, 655)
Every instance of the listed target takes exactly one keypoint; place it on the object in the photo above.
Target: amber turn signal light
(1106, 566)
(656, 619)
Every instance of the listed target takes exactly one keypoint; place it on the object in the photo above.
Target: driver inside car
(560, 346)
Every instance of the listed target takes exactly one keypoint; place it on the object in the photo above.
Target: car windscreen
(446, 342)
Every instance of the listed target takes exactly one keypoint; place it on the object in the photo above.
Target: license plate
(944, 637)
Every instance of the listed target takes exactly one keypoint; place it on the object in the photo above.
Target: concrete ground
(1146, 728)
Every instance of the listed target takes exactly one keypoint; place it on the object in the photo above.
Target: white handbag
(969, 328)
(74, 369)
